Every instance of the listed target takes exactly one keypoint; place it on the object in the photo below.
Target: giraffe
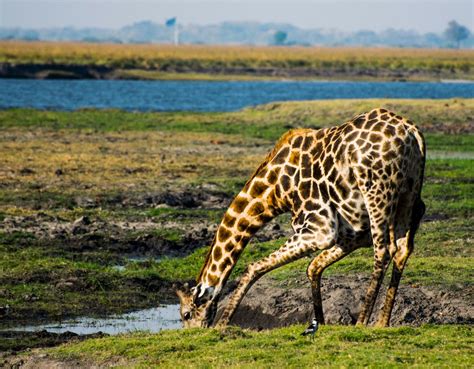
(349, 186)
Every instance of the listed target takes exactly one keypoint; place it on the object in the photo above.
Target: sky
(345, 15)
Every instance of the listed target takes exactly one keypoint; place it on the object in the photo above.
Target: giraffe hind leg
(316, 269)
(381, 203)
(405, 248)
(381, 261)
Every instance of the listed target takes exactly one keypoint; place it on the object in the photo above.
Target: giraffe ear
(181, 295)
(183, 292)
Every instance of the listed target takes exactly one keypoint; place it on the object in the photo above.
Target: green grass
(334, 346)
(449, 186)
(442, 142)
(185, 215)
(265, 121)
(94, 147)
(43, 283)
(443, 256)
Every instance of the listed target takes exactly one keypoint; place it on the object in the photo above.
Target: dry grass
(158, 56)
(103, 162)
(96, 153)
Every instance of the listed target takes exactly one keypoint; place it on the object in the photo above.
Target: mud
(14, 341)
(42, 361)
(72, 71)
(118, 237)
(143, 236)
(124, 239)
(54, 71)
(270, 304)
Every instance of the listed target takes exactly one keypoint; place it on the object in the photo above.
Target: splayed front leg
(299, 245)
(292, 250)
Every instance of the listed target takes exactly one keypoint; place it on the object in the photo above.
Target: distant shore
(68, 60)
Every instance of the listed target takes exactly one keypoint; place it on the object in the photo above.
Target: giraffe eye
(187, 315)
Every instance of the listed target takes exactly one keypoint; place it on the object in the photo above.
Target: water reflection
(152, 320)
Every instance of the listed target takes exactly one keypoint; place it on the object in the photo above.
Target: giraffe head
(198, 306)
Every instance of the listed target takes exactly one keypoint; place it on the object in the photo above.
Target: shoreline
(103, 72)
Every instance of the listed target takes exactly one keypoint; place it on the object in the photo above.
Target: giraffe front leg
(316, 269)
(297, 246)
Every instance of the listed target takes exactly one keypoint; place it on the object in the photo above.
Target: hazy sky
(347, 15)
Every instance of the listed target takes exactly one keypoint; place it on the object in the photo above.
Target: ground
(103, 211)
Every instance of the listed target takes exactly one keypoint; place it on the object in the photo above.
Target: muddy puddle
(136, 260)
(152, 320)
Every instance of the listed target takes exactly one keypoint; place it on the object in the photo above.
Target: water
(205, 95)
(136, 259)
(152, 320)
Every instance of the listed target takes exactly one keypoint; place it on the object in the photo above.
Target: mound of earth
(270, 305)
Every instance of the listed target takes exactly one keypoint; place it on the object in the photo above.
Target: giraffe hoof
(381, 324)
(221, 325)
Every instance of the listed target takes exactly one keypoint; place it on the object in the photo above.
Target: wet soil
(270, 304)
(143, 236)
(14, 341)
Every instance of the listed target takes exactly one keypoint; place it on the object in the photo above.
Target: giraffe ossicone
(350, 186)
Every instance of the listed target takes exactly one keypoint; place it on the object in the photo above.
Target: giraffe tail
(418, 208)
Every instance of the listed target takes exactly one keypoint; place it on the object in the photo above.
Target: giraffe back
(334, 167)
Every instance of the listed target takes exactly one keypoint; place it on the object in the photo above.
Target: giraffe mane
(286, 138)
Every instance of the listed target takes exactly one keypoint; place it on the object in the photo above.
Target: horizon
(424, 16)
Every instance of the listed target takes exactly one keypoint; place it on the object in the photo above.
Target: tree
(456, 33)
(279, 37)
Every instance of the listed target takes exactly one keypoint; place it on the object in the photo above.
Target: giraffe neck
(249, 211)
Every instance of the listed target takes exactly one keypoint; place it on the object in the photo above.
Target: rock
(80, 225)
(4, 310)
(85, 202)
(30, 297)
(84, 220)
(26, 171)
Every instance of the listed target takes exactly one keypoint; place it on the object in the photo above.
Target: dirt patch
(199, 197)
(176, 232)
(149, 238)
(54, 71)
(41, 361)
(269, 304)
(145, 238)
(14, 341)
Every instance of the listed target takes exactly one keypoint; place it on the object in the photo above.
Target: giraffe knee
(316, 267)
(314, 272)
(252, 270)
(405, 248)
